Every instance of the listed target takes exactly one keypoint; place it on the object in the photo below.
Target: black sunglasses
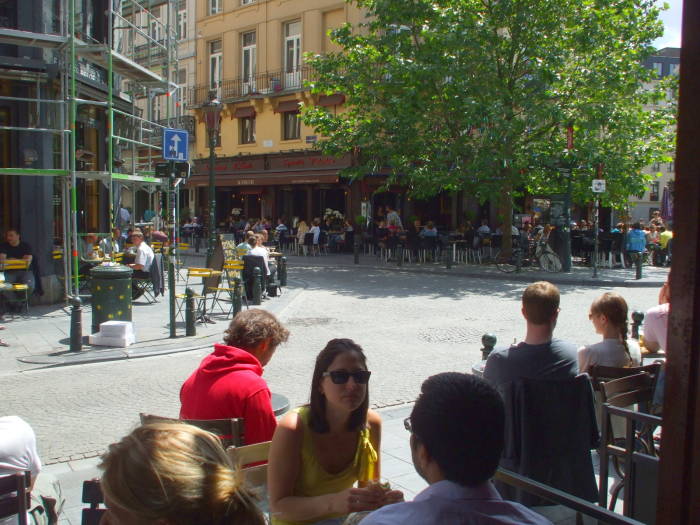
(407, 424)
(340, 377)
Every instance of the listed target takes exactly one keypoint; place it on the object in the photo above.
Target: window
(673, 69)
(182, 24)
(182, 77)
(656, 167)
(654, 191)
(246, 2)
(248, 61)
(214, 6)
(291, 125)
(671, 167)
(658, 67)
(292, 54)
(155, 27)
(247, 130)
(215, 58)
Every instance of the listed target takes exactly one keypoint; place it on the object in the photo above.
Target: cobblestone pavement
(410, 325)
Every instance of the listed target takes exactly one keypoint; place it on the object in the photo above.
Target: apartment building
(250, 54)
(664, 62)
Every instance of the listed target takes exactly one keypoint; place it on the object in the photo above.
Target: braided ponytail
(613, 306)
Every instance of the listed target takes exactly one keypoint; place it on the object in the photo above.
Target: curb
(121, 354)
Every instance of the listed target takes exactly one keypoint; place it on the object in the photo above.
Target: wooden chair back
(248, 458)
(15, 496)
(601, 374)
(92, 495)
(630, 390)
(230, 431)
(15, 264)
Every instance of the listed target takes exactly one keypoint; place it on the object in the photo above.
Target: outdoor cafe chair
(233, 270)
(192, 274)
(16, 293)
(635, 460)
(252, 460)
(15, 496)
(93, 496)
(229, 430)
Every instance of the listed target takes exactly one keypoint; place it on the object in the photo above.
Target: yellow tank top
(315, 481)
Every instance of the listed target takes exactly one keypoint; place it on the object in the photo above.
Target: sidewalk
(652, 276)
(42, 338)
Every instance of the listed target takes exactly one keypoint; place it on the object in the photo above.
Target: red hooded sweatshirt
(228, 384)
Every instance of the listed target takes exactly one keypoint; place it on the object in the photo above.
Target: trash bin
(111, 294)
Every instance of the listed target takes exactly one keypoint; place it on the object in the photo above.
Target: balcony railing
(262, 84)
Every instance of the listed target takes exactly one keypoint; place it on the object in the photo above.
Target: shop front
(290, 186)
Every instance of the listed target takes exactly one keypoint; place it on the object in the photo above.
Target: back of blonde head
(177, 473)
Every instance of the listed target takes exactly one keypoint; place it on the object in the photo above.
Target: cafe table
(280, 404)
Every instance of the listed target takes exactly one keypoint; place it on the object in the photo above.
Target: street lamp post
(212, 121)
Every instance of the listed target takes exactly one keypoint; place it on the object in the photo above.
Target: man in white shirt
(143, 261)
(18, 453)
(457, 436)
(113, 244)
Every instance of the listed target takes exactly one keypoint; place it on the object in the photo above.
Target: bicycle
(542, 255)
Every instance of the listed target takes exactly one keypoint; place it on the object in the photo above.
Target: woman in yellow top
(319, 451)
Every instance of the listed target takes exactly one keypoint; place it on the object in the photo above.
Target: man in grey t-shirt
(539, 356)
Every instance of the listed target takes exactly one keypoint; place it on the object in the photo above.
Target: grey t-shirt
(554, 360)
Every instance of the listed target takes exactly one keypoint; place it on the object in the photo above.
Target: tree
(479, 95)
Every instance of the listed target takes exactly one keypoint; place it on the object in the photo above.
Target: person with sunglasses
(321, 450)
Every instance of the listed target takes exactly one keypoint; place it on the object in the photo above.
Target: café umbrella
(666, 205)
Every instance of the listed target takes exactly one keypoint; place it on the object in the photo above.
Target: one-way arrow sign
(175, 144)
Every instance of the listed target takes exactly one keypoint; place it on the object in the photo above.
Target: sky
(672, 24)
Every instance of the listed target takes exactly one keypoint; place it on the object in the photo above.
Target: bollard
(638, 266)
(399, 255)
(519, 258)
(282, 271)
(448, 259)
(356, 250)
(257, 286)
(189, 313)
(637, 319)
(76, 324)
(171, 297)
(237, 298)
(489, 342)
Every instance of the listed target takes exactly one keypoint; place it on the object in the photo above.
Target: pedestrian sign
(175, 144)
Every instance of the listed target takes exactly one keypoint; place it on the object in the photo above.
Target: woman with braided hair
(174, 474)
(609, 317)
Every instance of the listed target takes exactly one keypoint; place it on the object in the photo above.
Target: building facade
(250, 54)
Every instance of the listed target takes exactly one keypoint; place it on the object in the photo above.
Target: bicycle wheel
(505, 262)
(549, 262)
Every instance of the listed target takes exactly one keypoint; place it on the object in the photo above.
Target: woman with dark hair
(320, 450)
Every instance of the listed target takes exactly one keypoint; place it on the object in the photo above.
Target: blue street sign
(175, 144)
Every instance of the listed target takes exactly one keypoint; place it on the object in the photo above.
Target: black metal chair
(250, 262)
(15, 496)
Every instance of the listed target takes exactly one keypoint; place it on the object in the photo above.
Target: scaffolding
(137, 51)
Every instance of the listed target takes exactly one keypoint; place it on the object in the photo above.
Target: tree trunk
(505, 212)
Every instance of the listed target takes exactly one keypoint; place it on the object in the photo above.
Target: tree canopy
(480, 94)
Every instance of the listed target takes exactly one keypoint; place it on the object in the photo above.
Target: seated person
(228, 383)
(142, 263)
(539, 356)
(245, 245)
(15, 248)
(18, 453)
(609, 317)
(257, 248)
(457, 428)
(656, 335)
(429, 230)
(321, 450)
(315, 229)
(174, 473)
(113, 244)
(88, 253)
(281, 227)
(636, 239)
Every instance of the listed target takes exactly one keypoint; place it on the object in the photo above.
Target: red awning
(244, 112)
(331, 100)
(288, 106)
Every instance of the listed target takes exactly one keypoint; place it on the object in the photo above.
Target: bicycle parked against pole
(536, 253)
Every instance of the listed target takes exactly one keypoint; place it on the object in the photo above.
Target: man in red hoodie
(228, 382)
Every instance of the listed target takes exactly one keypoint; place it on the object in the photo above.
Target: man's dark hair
(252, 240)
(541, 302)
(637, 225)
(460, 419)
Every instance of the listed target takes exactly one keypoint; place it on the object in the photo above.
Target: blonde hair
(178, 473)
(613, 306)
